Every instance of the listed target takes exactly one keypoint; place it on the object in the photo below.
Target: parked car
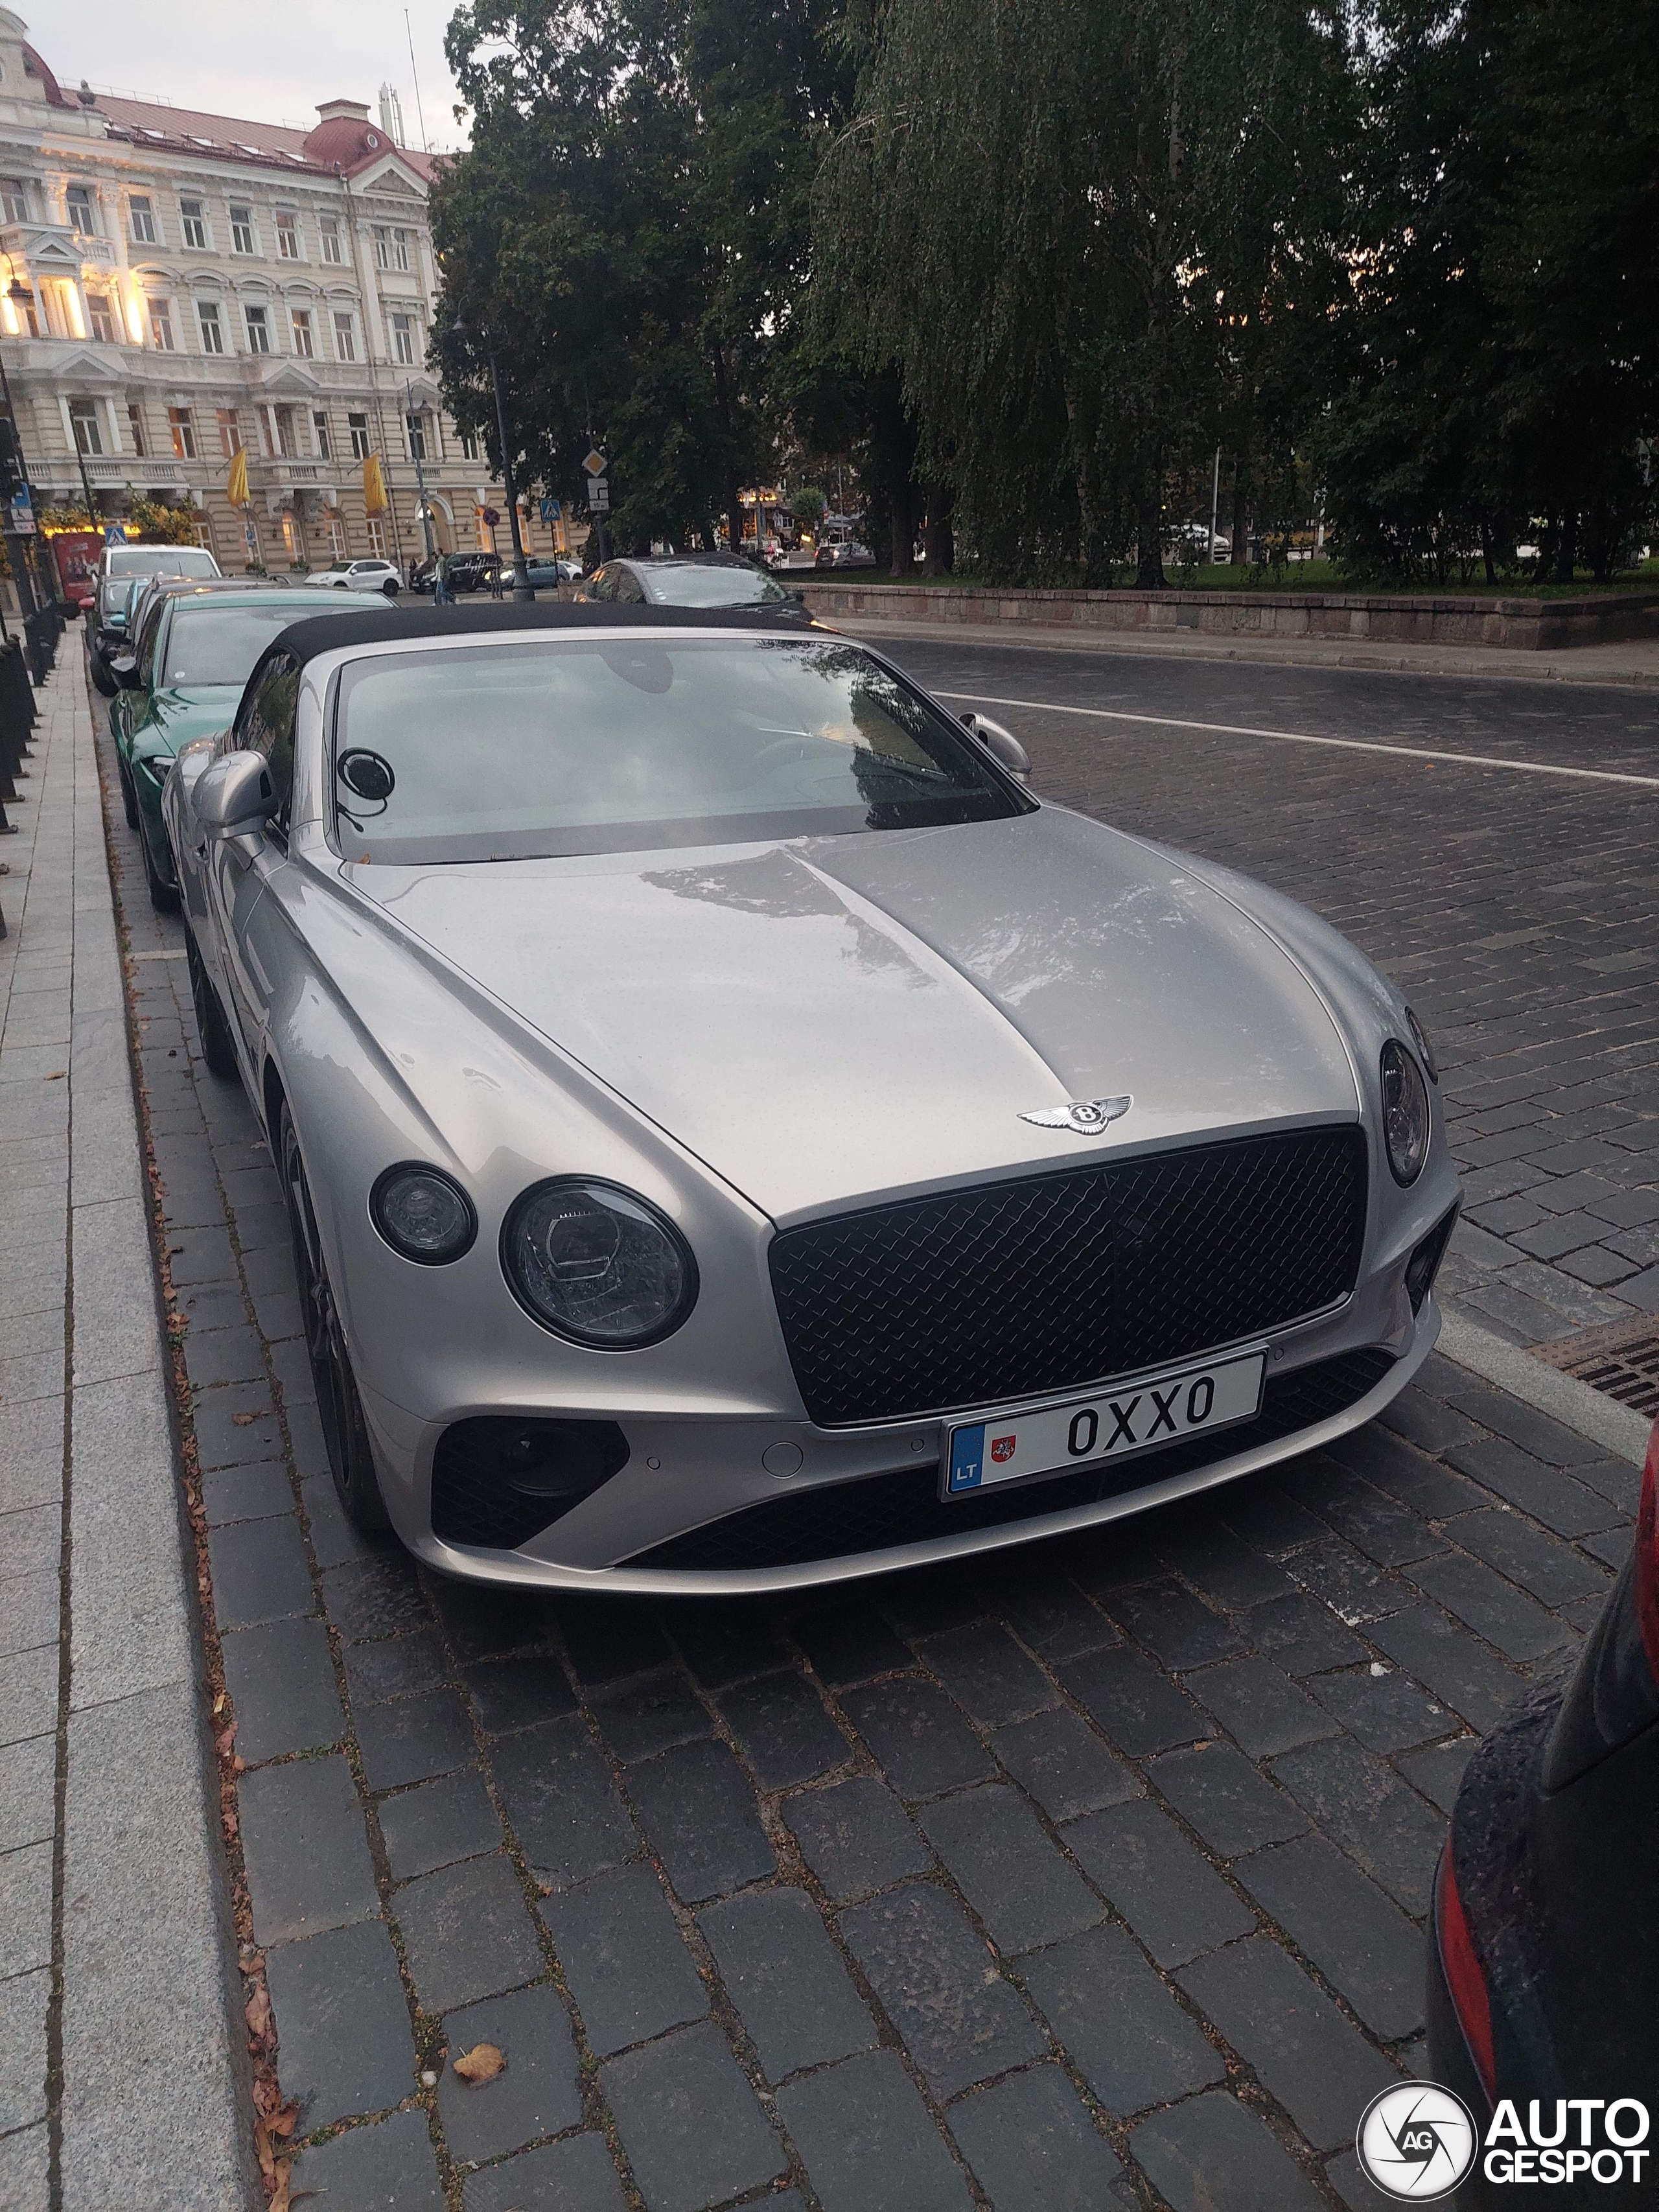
(192, 651)
(374, 575)
(118, 566)
(692, 580)
(559, 570)
(468, 571)
(891, 1164)
(1543, 1945)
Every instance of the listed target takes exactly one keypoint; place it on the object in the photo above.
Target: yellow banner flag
(236, 482)
(374, 498)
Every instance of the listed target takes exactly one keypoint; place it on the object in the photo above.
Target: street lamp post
(522, 586)
(418, 442)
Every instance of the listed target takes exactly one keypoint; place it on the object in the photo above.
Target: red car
(1544, 1955)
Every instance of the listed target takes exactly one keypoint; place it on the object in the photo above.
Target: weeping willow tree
(1084, 232)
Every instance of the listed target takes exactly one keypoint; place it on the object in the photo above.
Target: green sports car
(192, 657)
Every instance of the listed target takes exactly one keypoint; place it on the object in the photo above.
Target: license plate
(1162, 1410)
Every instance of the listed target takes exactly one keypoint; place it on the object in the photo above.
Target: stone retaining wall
(1524, 624)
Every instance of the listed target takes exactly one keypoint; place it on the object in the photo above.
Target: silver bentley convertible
(738, 1135)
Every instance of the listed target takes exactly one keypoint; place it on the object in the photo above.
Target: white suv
(360, 576)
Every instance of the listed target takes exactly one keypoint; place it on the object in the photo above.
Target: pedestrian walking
(442, 592)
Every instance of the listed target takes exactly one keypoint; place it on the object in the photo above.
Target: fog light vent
(1424, 1263)
(498, 1481)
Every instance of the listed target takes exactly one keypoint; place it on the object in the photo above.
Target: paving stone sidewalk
(118, 2075)
(1092, 1876)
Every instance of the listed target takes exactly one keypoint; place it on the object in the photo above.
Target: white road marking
(1300, 737)
(173, 952)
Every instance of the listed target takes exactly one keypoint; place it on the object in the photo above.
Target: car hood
(177, 715)
(835, 1019)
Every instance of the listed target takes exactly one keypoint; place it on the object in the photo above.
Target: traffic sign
(22, 513)
(551, 510)
(599, 495)
(114, 535)
(595, 464)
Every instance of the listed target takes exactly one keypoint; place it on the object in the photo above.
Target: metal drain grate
(1621, 1362)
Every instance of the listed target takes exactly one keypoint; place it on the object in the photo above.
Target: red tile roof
(265, 145)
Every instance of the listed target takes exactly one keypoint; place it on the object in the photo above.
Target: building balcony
(106, 471)
(54, 249)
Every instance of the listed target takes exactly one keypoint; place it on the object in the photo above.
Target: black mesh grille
(1057, 1281)
(846, 1518)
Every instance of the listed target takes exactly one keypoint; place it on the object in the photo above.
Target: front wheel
(218, 1049)
(129, 802)
(103, 677)
(163, 896)
(345, 1431)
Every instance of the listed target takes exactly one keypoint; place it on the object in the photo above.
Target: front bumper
(682, 1475)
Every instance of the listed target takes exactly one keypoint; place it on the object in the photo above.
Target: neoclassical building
(176, 287)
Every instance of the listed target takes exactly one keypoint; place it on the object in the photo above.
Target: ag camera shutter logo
(1417, 2141)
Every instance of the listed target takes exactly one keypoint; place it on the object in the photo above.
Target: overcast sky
(267, 62)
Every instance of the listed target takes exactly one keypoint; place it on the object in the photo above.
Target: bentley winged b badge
(1084, 1117)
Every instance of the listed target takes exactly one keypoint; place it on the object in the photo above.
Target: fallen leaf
(225, 1742)
(256, 2013)
(219, 1703)
(246, 1420)
(56, 1075)
(282, 2123)
(480, 2064)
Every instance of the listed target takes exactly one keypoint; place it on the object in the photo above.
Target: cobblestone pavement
(1519, 911)
(1094, 1875)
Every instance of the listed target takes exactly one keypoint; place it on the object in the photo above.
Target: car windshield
(161, 561)
(493, 752)
(695, 583)
(219, 643)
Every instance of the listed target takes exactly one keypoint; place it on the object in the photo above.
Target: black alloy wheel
(129, 802)
(103, 677)
(345, 1431)
(218, 1047)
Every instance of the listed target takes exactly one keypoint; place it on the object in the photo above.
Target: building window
(415, 429)
(194, 217)
(287, 235)
(103, 322)
(78, 205)
(259, 330)
(161, 325)
(13, 200)
(319, 436)
(184, 434)
(135, 430)
(142, 215)
(391, 248)
(402, 338)
(337, 537)
(328, 229)
(83, 421)
(241, 229)
(280, 432)
(469, 446)
(293, 538)
(301, 319)
(377, 535)
(358, 425)
(230, 432)
(213, 331)
(346, 338)
(205, 533)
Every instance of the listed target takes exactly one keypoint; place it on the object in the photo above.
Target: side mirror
(233, 796)
(1004, 747)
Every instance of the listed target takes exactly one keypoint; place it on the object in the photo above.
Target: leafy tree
(1039, 213)
(628, 235)
(1502, 363)
(808, 505)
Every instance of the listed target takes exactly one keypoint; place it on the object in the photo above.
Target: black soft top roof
(409, 626)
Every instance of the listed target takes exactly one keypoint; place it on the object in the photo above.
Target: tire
(129, 803)
(163, 896)
(345, 1430)
(217, 1049)
(102, 679)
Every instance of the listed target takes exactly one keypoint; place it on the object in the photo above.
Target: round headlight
(1425, 1050)
(422, 1214)
(597, 1265)
(1405, 1113)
